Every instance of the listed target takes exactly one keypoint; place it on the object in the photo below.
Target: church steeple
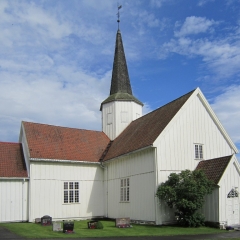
(120, 84)
(121, 107)
(120, 79)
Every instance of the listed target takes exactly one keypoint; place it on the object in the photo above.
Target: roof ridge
(212, 159)
(50, 125)
(165, 105)
(10, 142)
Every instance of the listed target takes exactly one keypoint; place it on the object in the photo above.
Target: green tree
(185, 193)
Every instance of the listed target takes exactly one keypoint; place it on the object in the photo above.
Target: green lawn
(32, 230)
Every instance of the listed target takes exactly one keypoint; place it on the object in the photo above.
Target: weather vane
(118, 14)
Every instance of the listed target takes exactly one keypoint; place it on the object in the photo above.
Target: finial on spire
(118, 14)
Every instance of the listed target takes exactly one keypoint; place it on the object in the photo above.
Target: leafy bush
(185, 192)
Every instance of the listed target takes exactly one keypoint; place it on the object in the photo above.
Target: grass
(32, 230)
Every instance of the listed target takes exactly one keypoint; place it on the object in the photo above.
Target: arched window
(233, 193)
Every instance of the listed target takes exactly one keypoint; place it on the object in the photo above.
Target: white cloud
(157, 3)
(146, 108)
(194, 25)
(203, 2)
(220, 55)
(48, 99)
(227, 108)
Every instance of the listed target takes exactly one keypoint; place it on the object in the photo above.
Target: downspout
(105, 168)
(23, 181)
(29, 195)
(156, 185)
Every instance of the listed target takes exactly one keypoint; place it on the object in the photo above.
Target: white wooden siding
(175, 146)
(230, 179)
(130, 109)
(14, 200)
(193, 124)
(46, 190)
(211, 207)
(139, 168)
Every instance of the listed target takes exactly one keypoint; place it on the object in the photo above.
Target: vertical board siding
(211, 206)
(193, 125)
(139, 168)
(114, 129)
(230, 180)
(175, 146)
(46, 188)
(14, 200)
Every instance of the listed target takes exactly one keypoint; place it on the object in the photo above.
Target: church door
(233, 207)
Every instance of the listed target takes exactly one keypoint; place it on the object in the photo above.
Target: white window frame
(198, 151)
(125, 190)
(71, 192)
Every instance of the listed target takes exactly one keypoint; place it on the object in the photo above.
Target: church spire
(120, 79)
(121, 107)
(120, 84)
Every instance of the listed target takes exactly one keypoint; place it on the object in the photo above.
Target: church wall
(139, 168)
(47, 191)
(230, 207)
(211, 209)
(116, 116)
(218, 207)
(192, 125)
(175, 146)
(14, 200)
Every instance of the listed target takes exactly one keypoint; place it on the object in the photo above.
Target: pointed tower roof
(120, 78)
(120, 84)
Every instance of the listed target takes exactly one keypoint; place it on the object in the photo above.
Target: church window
(71, 192)
(233, 193)
(109, 118)
(124, 190)
(124, 117)
(198, 151)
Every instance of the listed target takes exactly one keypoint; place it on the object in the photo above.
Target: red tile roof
(54, 142)
(12, 162)
(214, 168)
(145, 130)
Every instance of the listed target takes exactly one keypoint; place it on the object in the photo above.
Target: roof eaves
(121, 97)
(62, 161)
(14, 178)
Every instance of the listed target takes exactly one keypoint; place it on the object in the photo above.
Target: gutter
(23, 182)
(14, 178)
(156, 183)
(61, 161)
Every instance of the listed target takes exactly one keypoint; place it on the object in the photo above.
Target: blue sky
(56, 58)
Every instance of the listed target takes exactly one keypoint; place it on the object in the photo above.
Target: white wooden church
(72, 173)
